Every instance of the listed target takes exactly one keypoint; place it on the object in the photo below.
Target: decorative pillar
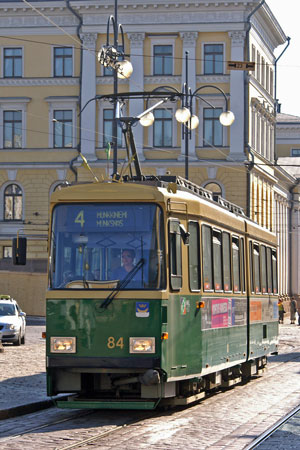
(189, 41)
(88, 91)
(237, 101)
(136, 83)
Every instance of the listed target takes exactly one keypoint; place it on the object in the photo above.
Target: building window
(63, 62)
(295, 152)
(213, 59)
(12, 62)
(62, 128)
(7, 252)
(258, 68)
(12, 129)
(162, 130)
(13, 202)
(215, 189)
(108, 115)
(163, 60)
(213, 132)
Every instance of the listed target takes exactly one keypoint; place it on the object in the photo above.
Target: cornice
(213, 79)
(23, 82)
(160, 79)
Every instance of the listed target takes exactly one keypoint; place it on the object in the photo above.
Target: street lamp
(113, 56)
(184, 114)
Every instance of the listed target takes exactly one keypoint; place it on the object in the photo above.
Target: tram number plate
(113, 342)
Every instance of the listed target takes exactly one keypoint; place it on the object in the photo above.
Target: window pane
(263, 265)
(163, 59)
(274, 271)
(208, 132)
(217, 257)
(194, 261)
(175, 255)
(236, 264)
(8, 213)
(226, 262)
(256, 269)
(269, 270)
(242, 265)
(207, 257)
(8, 140)
(18, 67)
(57, 134)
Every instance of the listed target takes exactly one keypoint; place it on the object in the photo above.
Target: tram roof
(168, 190)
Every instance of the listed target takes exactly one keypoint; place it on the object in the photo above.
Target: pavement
(23, 375)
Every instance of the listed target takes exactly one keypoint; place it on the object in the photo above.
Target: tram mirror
(19, 245)
(185, 235)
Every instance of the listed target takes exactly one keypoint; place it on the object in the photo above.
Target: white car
(12, 321)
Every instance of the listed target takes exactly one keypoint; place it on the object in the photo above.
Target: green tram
(195, 309)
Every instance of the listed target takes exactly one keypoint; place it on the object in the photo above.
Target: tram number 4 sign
(240, 65)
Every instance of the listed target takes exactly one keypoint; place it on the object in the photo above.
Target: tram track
(271, 430)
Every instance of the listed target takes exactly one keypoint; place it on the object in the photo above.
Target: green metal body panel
(82, 404)
(94, 326)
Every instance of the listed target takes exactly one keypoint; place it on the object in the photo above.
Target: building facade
(49, 71)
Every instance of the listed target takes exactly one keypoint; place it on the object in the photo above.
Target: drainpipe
(246, 109)
(290, 228)
(71, 164)
(276, 104)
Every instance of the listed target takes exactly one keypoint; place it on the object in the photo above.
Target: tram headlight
(63, 344)
(142, 344)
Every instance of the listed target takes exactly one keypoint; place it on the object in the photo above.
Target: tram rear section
(197, 311)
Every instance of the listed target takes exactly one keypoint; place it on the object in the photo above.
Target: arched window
(13, 202)
(215, 189)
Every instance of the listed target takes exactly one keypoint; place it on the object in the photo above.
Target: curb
(25, 409)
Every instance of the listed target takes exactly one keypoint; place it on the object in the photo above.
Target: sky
(288, 66)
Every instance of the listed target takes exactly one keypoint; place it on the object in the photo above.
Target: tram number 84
(113, 343)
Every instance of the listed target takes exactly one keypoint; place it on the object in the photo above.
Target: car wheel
(18, 341)
(23, 340)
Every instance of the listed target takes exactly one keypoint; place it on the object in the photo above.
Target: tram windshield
(98, 245)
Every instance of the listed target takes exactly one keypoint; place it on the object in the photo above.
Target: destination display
(105, 217)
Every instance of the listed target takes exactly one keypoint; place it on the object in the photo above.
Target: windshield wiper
(123, 283)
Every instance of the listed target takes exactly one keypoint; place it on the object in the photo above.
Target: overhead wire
(222, 153)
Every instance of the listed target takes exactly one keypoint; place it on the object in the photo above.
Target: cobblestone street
(230, 419)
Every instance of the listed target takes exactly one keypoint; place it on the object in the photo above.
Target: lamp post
(109, 56)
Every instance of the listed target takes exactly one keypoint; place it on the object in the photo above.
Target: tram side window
(274, 271)
(217, 260)
(236, 264)
(207, 257)
(242, 265)
(269, 270)
(251, 265)
(194, 260)
(263, 265)
(256, 268)
(226, 262)
(175, 255)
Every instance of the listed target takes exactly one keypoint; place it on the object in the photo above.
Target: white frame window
(162, 41)
(102, 106)
(62, 104)
(8, 225)
(13, 104)
(14, 58)
(63, 58)
(168, 106)
(223, 57)
(217, 103)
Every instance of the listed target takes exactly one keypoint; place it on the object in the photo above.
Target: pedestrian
(281, 310)
(293, 310)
